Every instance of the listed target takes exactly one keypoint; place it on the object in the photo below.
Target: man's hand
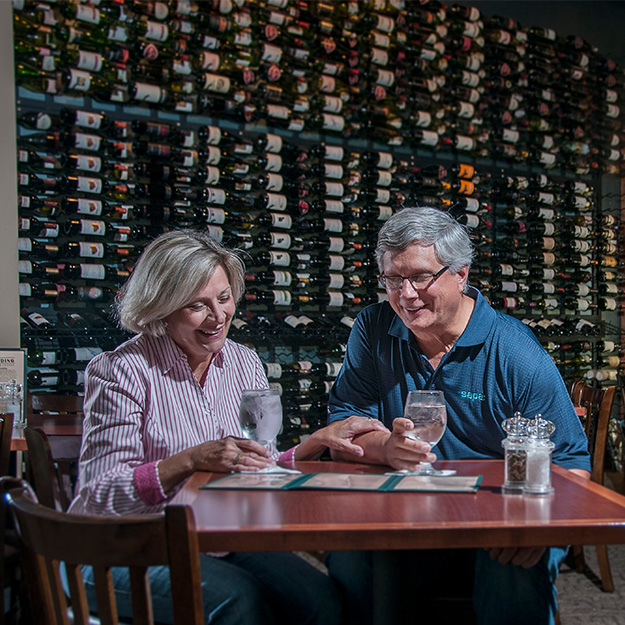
(525, 557)
(403, 452)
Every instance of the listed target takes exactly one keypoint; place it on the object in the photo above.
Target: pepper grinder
(539, 450)
(515, 461)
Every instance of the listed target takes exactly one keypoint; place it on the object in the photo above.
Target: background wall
(599, 22)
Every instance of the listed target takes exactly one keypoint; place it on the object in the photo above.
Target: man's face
(432, 307)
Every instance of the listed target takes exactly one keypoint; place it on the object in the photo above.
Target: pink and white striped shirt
(143, 404)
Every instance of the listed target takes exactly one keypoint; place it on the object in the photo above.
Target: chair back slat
(597, 402)
(136, 542)
(6, 431)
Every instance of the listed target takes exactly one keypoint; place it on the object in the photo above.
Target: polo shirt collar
(475, 333)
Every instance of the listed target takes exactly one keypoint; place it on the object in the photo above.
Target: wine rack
(292, 130)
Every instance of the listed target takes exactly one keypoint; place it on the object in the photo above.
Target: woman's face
(200, 328)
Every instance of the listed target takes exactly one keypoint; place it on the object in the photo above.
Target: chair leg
(604, 568)
(578, 558)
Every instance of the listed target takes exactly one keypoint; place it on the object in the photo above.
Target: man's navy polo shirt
(495, 368)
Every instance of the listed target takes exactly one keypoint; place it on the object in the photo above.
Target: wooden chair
(10, 569)
(52, 462)
(136, 542)
(54, 407)
(597, 402)
(51, 479)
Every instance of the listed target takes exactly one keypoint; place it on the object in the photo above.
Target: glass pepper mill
(515, 450)
(539, 450)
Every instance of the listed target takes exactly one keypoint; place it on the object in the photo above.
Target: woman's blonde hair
(167, 276)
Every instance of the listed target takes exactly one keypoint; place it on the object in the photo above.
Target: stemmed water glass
(260, 415)
(428, 413)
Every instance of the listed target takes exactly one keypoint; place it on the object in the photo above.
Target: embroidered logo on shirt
(472, 396)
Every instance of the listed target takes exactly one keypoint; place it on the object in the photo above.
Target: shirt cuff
(146, 481)
(288, 456)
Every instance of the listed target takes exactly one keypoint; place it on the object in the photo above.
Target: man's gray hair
(426, 226)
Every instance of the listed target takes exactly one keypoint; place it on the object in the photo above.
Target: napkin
(437, 472)
(273, 469)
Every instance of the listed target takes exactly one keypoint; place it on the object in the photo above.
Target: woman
(165, 404)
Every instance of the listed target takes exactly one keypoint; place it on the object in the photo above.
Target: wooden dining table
(64, 434)
(578, 512)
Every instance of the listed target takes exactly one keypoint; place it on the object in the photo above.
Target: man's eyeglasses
(418, 280)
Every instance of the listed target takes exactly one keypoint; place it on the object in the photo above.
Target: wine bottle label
(333, 104)
(215, 215)
(550, 228)
(473, 221)
(332, 369)
(277, 112)
(334, 206)
(274, 162)
(212, 176)
(549, 243)
(385, 78)
(510, 136)
(337, 281)
(84, 141)
(510, 302)
(281, 298)
(423, 119)
(87, 13)
(209, 60)
(213, 156)
(25, 289)
(610, 95)
(280, 240)
(379, 56)
(547, 214)
(385, 24)
(275, 182)
(279, 259)
(216, 232)
(335, 189)
(216, 83)
(117, 33)
(85, 184)
(271, 53)
(274, 369)
(215, 195)
(548, 288)
(48, 377)
(145, 92)
(382, 196)
(608, 346)
(305, 366)
(89, 61)
(332, 225)
(84, 354)
(281, 220)
(157, 31)
(612, 110)
(336, 244)
(549, 274)
(48, 62)
(511, 287)
(282, 278)
(90, 227)
(79, 80)
(296, 124)
(90, 250)
(429, 137)
(611, 288)
(92, 272)
(48, 358)
(333, 122)
(384, 178)
(336, 299)
(549, 258)
(88, 162)
(276, 201)
(85, 206)
(336, 262)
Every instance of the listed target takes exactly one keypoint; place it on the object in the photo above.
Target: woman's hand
(338, 436)
(222, 456)
(230, 454)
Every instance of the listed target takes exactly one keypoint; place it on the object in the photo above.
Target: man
(436, 332)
